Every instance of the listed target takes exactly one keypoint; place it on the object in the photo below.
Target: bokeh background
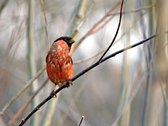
(129, 89)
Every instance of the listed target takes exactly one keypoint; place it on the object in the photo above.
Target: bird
(59, 64)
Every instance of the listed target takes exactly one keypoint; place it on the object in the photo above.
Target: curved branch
(67, 84)
(119, 24)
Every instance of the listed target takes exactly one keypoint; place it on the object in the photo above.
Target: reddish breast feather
(59, 63)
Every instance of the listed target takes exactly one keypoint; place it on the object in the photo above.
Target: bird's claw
(68, 83)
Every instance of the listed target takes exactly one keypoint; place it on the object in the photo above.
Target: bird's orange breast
(59, 63)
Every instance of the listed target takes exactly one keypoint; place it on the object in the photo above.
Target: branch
(88, 58)
(134, 10)
(81, 121)
(115, 33)
(42, 4)
(32, 65)
(66, 84)
(79, 19)
(27, 85)
(97, 26)
(22, 109)
(3, 5)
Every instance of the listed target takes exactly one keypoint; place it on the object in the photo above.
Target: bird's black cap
(67, 39)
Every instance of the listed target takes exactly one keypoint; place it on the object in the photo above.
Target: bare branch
(96, 27)
(27, 85)
(67, 84)
(81, 121)
(122, 3)
(22, 109)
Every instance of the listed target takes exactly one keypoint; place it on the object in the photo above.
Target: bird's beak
(72, 41)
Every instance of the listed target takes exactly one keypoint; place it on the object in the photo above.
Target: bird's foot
(68, 83)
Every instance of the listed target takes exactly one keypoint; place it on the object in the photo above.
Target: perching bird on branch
(59, 63)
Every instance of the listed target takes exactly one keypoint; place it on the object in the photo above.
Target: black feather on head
(67, 39)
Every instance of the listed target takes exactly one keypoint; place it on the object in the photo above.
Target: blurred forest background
(127, 90)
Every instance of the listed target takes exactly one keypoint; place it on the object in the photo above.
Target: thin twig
(79, 20)
(122, 3)
(3, 5)
(81, 121)
(95, 27)
(133, 11)
(88, 58)
(80, 11)
(164, 93)
(53, 94)
(129, 100)
(32, 64)
(50, 112)
(22, 109)
(97, 54)
(104, 20)
(42, 3)
(27, 85)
